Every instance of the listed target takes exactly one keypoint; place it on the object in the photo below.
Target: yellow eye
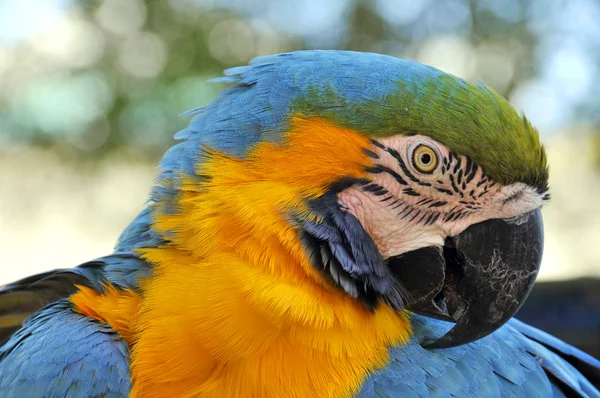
(424, 159)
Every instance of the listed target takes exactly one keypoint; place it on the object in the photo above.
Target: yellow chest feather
(230, 331)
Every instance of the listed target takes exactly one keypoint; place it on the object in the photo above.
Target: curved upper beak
(479, 279)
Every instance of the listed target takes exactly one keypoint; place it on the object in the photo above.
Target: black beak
(479, 279)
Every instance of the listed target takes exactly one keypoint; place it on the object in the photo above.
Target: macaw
(333, 224)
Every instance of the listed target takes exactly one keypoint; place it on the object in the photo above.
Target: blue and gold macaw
(334, 224)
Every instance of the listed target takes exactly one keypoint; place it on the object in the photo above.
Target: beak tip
(433, 344)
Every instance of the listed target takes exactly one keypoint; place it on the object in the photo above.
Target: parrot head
(463, 247)
(413, 188)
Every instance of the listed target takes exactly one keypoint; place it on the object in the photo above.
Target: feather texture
(59, 353)
(505, 364)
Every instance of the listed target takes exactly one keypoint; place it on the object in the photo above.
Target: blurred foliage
(116, 73)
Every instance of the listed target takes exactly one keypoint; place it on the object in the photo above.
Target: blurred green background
(90, 93)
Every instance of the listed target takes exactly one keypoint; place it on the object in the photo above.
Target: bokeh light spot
(143, 55)
(232, 41)
(75, 43)
(452, 54)
(65, 104)
(122, 17)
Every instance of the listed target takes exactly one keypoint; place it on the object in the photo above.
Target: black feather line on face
(462, 214)
(375, 189)
(472, 174)
(444, 190)
(415, 216)
(468, 166)
(449, 216)
(429, 218)
(453, 158)
(456, 167)
(398, 205)
(379, 168)
(370, 153)
(422, 218)
(423, 201)
(400, 161)
(454, 187)
(378, 144)
(438, 204)
(406, 215)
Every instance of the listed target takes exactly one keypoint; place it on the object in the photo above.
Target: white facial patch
(419, 193)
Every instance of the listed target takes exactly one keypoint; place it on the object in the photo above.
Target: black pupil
(425, 158)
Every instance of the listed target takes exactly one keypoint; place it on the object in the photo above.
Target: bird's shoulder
(68, 354)
(23, 298)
